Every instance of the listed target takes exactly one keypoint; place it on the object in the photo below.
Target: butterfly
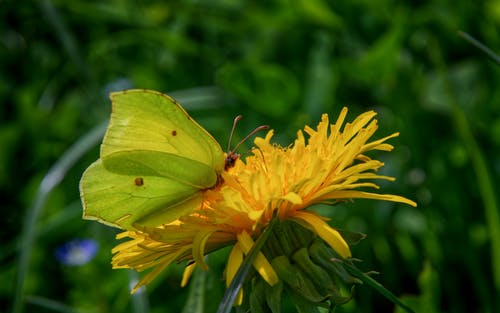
(155, 163)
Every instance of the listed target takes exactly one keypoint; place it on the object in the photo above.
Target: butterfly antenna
(236, 120)
(231, 156)
(258, 129)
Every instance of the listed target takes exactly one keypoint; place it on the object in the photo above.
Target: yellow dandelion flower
(328, 166)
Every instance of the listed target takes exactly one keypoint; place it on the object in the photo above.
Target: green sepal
(273, 296)
(352, 238)
(323, 255)
(302, 305)
(296, 279)
(319, 276)
(258, 302)
(263, 297)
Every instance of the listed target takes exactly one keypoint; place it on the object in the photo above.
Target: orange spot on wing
(139, 181)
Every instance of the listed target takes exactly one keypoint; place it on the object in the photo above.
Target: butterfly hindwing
(122, 200)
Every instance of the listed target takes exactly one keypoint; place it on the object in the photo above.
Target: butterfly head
(230, 159)
(232, 156)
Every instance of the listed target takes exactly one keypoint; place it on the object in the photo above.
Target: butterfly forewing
(151, 121)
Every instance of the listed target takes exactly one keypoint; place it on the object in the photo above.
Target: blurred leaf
(257, 84)
(428, 300)
(379, 63)
(319, 11)
(8, 136)
(50, 180)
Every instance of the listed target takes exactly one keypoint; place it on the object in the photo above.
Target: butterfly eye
(139, 181)
(174, 133)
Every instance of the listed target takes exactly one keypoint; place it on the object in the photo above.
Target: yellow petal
(292, 197)
(199, 243)
(328, 234)
(188, 271)
(157, 270)
(261, 264)
(233, 264)
(351, 194)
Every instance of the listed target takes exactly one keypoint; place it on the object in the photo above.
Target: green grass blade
(51, 305)
(485, 182)
(476, 43)
(51, 180)
(486, 188)
(238, 280)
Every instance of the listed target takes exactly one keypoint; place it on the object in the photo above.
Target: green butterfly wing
(155, 163)
(123, 201)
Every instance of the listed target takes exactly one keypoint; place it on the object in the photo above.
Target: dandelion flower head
(327, 164)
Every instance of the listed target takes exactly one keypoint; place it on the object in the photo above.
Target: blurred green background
(281, 63)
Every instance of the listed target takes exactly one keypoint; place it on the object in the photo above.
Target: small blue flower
(76, 252)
